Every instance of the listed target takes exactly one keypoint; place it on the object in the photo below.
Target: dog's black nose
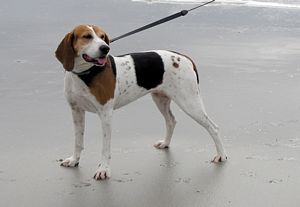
(104, 49)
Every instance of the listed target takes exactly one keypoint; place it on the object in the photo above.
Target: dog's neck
(88, 75)
(89, 71)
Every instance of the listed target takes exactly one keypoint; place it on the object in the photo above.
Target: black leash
(163, 20)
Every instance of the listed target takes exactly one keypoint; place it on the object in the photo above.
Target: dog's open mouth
(101, 61)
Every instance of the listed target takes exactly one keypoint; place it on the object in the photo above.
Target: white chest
(78, 94)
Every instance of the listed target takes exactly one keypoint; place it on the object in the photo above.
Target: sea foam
(250, 3)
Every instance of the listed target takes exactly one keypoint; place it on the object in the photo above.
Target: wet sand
(248, 61)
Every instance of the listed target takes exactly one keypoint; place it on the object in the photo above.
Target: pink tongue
(101, 61)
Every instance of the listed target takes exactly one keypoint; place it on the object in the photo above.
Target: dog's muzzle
(101, 61)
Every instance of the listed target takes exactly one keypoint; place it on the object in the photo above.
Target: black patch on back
(149, 69)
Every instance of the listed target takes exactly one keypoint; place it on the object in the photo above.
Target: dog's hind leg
(194, 107)
(163, 103)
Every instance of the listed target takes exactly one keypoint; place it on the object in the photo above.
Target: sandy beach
(248, 62)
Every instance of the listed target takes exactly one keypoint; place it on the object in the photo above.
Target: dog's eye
(102, 36)
(88, 36)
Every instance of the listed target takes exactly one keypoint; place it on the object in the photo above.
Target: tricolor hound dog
(98, 82)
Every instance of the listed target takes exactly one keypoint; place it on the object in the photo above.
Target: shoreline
(236, 3)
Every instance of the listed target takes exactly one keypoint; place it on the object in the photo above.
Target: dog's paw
(102, 173)
(161, 144)
(219, 159)
(70, 162)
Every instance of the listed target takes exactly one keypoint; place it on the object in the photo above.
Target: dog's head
(89, 43)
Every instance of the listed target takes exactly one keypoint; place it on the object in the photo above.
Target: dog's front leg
(103, 170)
(79, 123)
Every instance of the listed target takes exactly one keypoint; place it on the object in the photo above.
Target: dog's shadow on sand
(178, 178)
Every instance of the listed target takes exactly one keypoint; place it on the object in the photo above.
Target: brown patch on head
(103, 85)
(84, 34)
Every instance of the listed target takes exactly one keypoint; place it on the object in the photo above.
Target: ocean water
(280, 4)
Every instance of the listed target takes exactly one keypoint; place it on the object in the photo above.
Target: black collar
(88, 75)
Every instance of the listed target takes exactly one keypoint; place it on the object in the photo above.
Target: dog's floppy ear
(65, 52)
(106, 39)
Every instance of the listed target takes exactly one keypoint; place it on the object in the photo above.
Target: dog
(98, 82)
